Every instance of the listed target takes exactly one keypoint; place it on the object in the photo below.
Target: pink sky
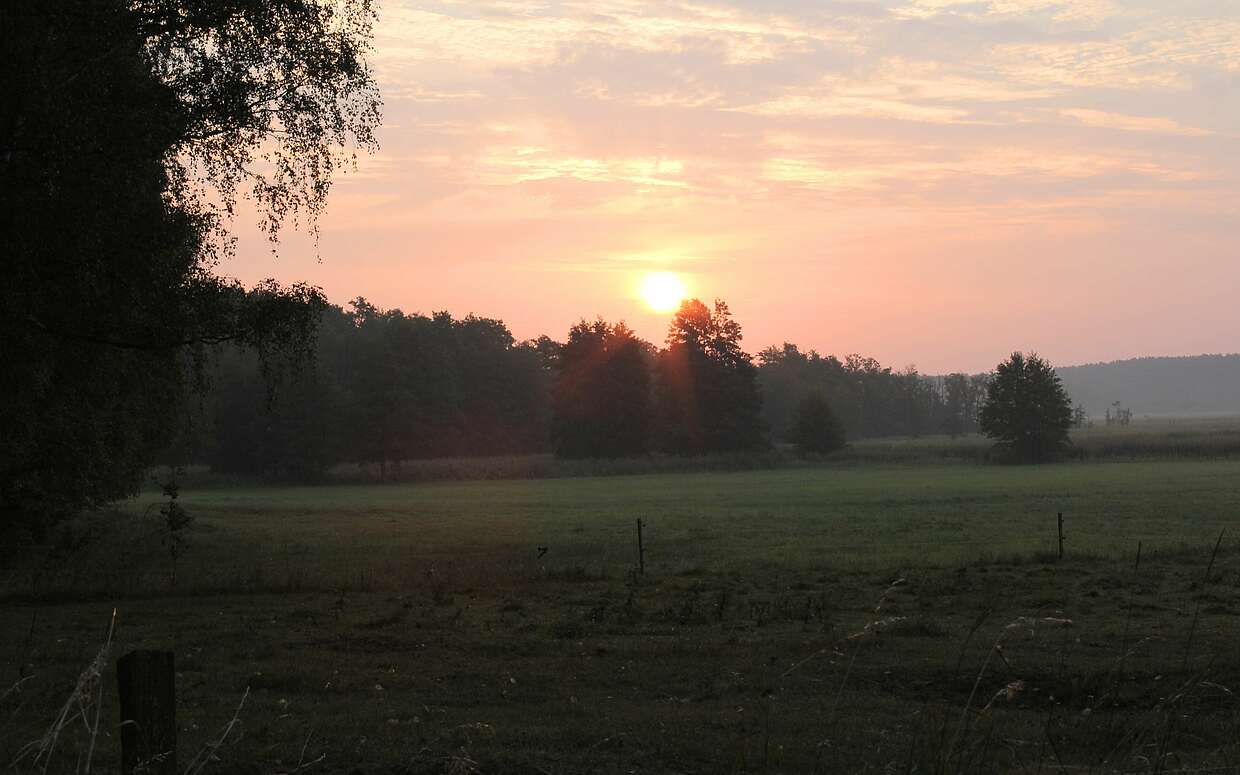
(929, 182)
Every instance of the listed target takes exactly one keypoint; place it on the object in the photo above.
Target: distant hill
(1185, 386)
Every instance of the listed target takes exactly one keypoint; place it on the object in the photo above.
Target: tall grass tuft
(84, 705)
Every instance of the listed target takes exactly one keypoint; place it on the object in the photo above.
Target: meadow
(1209, 437)
(828, 618)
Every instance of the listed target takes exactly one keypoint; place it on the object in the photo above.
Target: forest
(382, 386)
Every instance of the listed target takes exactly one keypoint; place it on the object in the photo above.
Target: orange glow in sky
(929, 182)
(662, 291)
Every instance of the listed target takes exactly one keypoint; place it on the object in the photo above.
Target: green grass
(414, 627)
(872, 518)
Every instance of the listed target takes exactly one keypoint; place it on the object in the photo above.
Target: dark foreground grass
(867, 620)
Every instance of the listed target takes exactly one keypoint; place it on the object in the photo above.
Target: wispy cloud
(773, 146)
(1156, 124)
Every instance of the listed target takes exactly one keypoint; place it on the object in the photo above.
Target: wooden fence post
(641, 550)
(148, 712)
(1061, 535)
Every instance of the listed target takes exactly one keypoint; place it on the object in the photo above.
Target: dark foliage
(386, 387)
(871, 401)
(383, 387)
(120, 120)
(601, 398)
(817, 430)
(1027, 411)
(708, 389)
(961, 402)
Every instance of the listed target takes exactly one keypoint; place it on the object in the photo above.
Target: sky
(928, 182)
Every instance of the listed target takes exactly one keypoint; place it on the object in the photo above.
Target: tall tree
(708, 388)
(601, 398)
(381, 373)
(128, 130)
(1027, 411)
(817, 430)
(959, 406)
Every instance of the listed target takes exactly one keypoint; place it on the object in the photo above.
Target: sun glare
(663, 291)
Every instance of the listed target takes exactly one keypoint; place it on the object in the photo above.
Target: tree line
(385, 386)
(869, 399)
(381, 387)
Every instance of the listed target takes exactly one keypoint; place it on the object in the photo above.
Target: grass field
(789, 620)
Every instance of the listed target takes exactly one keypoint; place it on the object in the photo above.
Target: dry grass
(84, 705)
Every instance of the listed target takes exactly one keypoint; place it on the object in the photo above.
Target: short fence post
(641, 550)
(148, 712)
(1060, 535)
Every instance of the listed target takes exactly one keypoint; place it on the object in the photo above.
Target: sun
(662, 291)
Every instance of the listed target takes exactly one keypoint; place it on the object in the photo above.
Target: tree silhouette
(127, 130)
(1027, 411)
(869, 399)
(708, 389)
(601, 398)
(817, 430)
(383, 387)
